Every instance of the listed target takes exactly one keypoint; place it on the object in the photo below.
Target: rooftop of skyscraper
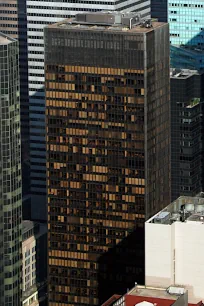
(109, 21)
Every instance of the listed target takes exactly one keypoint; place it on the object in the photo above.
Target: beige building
(33, 283)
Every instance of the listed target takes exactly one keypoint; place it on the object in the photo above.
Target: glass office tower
(10, 175)
(186, 22)
(39, 14)
(187, 96)
(108, 157)
(13, 22)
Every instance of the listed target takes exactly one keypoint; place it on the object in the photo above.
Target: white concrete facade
(29, 262)
(174, 254)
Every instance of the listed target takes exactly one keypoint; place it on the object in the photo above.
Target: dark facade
(108, 161)
(159, 10)
(187, 95)
(39, 15)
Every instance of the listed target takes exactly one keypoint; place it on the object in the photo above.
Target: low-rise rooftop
(5, 40)
(146, 295)
(184, 209)
(171, 293)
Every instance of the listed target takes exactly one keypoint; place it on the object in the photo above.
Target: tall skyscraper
(10, 175)
(187, 96)
(186, 25)
(40, 14)
(159, 9)
(108, 157)
(13, 22)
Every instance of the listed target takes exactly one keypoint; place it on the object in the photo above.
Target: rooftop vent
(146, 23)
(175, 290)
(162, 217)
(99, 18)
(111, 18)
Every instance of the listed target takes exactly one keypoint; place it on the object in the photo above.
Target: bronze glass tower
(107, 110)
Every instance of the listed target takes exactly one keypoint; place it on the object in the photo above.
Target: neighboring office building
(13, 22)
(187, 95)
(186, 26)
(34, 263)
(186, 57)
(150, 296)
(186, 22)
(108, 164)
(41, 13)
(174, 246)
(10, 175)
(159, 10)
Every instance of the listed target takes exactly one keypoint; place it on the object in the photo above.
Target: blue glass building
(186, 23)
(186, 57)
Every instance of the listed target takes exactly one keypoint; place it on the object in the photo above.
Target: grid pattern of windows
(13, 22)
(9, 18)
(105, 173)
(186, 33)
(29, 264)
(91, 154)
(186, 22)
(10, 174)
(186, 149)
(40, 14)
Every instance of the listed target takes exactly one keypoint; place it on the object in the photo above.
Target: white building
(39, 14)
(174, 247)
(34, 257)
